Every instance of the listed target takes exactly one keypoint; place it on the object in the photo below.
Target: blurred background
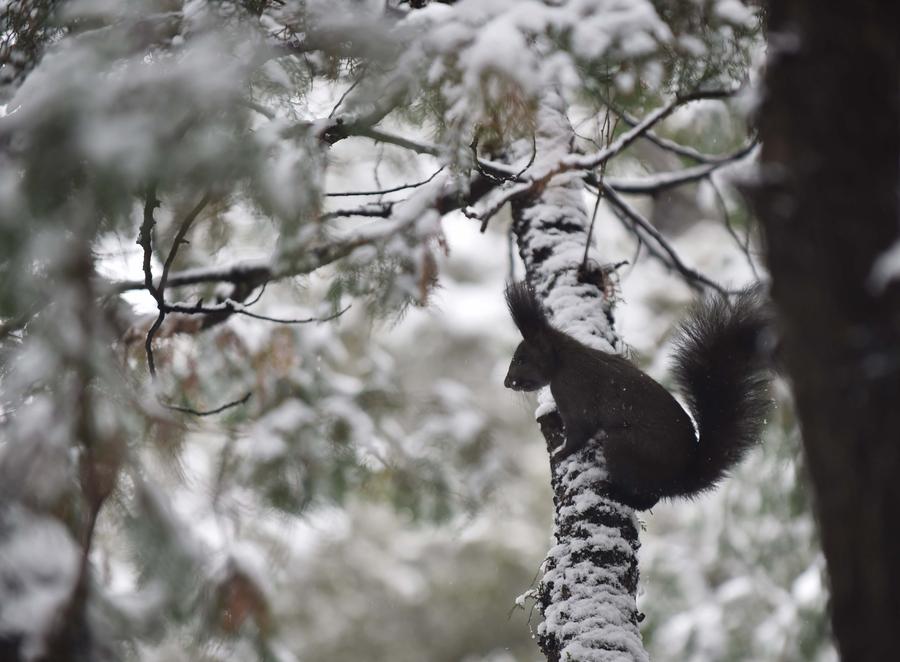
(380, 496)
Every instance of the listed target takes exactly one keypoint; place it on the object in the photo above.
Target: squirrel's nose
(508, 383)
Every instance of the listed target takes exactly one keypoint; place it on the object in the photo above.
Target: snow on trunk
(587, 594)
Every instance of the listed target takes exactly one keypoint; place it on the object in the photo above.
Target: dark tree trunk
(828, 201)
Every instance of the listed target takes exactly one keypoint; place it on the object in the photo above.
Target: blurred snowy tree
(191, 382)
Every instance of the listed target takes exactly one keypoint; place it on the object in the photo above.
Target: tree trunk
(827, 199)
(587, 593)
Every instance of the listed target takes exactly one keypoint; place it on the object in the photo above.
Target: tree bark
(587, 593)
(827, 199)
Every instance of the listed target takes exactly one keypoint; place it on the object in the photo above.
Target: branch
(347, 92)
(375, 210)
(589, 162)
(383, 137)
(667, 144)
(662, 181)
(145, 237)
(402, 187)
(674, 260)
(235, 307)
(726, 219)
(259, 108)
(208, 412)
(256, 272)
(158, 292)
(248, 272)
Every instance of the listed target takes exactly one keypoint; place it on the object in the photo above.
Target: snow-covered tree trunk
(587, 593)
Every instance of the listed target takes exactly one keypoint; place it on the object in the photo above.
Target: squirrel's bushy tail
(721, 368)
(526, 310)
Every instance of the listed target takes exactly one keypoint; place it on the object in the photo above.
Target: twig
(255, 272)
(250, 272)
(386, 190)
(510, 248)
(257, 297)
(639, 243)
(293, 321)
(591, 161)
(208, 412)
(499, 178)
(661, 181)
(490, 209)
(347, 92)
(665, 143)
(159, 291)
(531, 160)
(726, 219)
(588, 162)
(587, 241)
(259, 108)
(607, 129)
(494, 169)
(674, 260)
(145, 237)
(235, 307)
(389, 138)
(372, 209)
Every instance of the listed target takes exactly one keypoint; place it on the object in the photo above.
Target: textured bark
(587, 593)
(828, 202)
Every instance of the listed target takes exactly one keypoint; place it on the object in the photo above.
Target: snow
(197, 485)
(38, 570)
(808, 589)
(885, 269)
(735, 12)
(591, 611)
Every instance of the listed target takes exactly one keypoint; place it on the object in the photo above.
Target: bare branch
(372, 210)
(259, 108)
(402, 187)
(726, 219)
(384, 137)
(235, 307)
(179, 239)
(692, 277)
(145, 238)
(661, 181)
(607, 129)
(160, 290)
(531, 160)
(670, 145)
(591, 161)
(293, 321)
(248, 272)
(347, 92)
(208, 412)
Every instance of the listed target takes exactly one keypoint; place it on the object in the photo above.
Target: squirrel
(648, 440)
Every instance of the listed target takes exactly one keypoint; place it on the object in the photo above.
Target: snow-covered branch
(662, 181)
(546, 169)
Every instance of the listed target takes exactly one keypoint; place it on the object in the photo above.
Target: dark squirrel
(651, 448)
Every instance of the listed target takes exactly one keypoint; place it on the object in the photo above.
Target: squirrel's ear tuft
(525, 309)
